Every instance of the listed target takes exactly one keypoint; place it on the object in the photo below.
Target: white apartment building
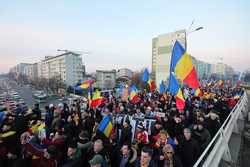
(67, 66)
(31, 71)
(105, 79)
(162, 46)
(223, 71)
(19, 69)
(124, 72)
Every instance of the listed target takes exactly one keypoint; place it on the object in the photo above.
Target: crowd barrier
(218, 148)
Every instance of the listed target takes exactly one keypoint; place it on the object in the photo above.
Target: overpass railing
(218, 148)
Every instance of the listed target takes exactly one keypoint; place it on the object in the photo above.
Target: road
(26, 93)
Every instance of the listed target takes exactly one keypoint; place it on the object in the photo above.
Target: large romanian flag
(97, 99)
(176, 90)
(106, 126)
(182, 66)
(86, 84)
(133, 94)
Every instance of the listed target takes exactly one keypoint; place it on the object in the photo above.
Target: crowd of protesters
(68, 135)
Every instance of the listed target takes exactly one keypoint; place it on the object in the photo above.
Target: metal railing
(218, 147)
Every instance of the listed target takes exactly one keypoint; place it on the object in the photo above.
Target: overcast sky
(119, 33)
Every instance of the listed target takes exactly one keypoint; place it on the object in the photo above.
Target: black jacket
(212, 126)
(131, 160)
(203, 138)
(189, 152)
(126, 136)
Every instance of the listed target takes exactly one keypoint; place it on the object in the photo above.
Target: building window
(164, 49)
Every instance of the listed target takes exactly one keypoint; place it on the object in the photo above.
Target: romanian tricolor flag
(176, 90)
(87, 84)
(198, 92)
(97, 99)
(182, 66)
(180, 102)
(133, 94)
(146, 78)
(151, 84)
(106, 126)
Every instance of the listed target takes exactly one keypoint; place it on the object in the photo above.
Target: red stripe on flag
(180, 104)
(192, 80)
(96, 102)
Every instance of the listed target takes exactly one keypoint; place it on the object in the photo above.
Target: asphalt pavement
(26, 93)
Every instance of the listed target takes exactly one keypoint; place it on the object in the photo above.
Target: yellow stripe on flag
(183, 67)
(108, 129)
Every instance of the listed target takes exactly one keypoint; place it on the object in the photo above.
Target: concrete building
(67, 66)
(162, 46)
(124, 75)
(31, 71)
(105, 79)
(19, 68)
(203, 69)
(124, 72)
(222, 71)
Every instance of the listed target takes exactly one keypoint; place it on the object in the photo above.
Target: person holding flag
(146, 78)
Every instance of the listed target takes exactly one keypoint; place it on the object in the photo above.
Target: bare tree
(136, 79)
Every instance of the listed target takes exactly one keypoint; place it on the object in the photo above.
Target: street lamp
(197, 29)
(189, 32)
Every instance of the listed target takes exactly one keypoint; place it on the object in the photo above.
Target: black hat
(72, 144)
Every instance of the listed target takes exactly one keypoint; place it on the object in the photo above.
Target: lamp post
(189, 32)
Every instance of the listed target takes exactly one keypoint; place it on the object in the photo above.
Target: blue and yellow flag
(106, 126)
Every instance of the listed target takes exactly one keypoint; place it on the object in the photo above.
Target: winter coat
(212, 126)
(202, 137)
(126, 135)
(131, 160)
(189, 152)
